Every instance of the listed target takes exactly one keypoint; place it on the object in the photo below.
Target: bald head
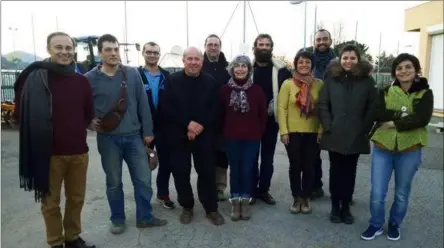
(192, 51)
(192, 61)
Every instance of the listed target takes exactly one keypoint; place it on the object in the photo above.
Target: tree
(384, 62)
(363, 48)
(337, 34)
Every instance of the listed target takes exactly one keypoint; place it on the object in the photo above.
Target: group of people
(226, 115)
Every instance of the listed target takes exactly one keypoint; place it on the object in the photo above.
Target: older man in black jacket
(191, 109)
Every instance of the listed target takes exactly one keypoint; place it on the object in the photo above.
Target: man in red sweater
(54, 107)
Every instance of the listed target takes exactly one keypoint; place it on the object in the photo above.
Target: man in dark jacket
(216, 64)
(154, 77)
(191, 105)
(268, 73)
(54, 107)
(323, 54)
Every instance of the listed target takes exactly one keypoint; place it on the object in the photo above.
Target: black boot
(335, 215)
(346, 215)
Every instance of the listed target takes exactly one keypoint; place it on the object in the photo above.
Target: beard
(262, 56)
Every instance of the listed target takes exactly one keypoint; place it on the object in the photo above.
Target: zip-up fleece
(155, 113)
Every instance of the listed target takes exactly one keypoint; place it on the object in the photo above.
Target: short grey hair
(240, 59)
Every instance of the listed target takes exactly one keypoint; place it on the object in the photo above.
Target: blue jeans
(241, 157)
(405, 165)
(113, 150)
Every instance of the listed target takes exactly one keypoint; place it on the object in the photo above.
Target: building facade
(427, 19)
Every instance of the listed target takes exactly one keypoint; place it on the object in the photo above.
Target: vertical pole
(126, 34)
(186, 16)
(379, 56)
(305, 25)
(33, 36)
(245, 22)
(356, 33)
(315, 22)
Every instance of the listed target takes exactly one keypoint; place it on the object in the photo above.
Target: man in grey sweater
(127, 141)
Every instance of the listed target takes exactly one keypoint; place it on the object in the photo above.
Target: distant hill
(6, 64)
(25, 57)
(18, 60)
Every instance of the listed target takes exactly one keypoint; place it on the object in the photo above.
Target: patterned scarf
(304, 99)
(238, 97)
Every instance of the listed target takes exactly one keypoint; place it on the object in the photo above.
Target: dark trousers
(222, 160)
(164, 169)
(262, 177)
(204, 158)
(302, 153)
(342, 176)
(317, 183)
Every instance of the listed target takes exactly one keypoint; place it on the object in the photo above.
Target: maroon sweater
(72, 112)
(244, 126)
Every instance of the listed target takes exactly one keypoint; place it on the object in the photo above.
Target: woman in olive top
(299, 127)
(402, 111)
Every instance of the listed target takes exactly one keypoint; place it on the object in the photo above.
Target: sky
(165, 23)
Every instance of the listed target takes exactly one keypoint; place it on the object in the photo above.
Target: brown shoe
(306, 206)
(245, 209)
(235, 209)
(216, 218)
(186, 216)
(295, 208)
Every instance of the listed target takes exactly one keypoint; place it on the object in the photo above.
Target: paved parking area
(270, 226)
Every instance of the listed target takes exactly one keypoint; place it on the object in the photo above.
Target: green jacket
(410, 130)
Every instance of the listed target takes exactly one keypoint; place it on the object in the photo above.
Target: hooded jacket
(344, 108)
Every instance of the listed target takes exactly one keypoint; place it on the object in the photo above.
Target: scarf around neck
(304, 100)
(35, 132)
(321, 61)
(238, 96)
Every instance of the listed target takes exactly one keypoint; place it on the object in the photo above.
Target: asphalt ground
(270, 226)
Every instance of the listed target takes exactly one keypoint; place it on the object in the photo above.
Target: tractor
(86, 50)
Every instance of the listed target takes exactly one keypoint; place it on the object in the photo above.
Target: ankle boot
(335, 215)
(306, 206)
(346, 215)
(235, 209)
(245, 209)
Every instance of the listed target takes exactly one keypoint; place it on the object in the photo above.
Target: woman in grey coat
(343, 106)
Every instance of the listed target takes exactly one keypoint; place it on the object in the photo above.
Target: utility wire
(254, 19)
(228, 23)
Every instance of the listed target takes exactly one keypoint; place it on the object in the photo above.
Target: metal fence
(8, 78)
(382, 79)
(7, 86)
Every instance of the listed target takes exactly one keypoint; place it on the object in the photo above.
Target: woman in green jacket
(402, 112)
